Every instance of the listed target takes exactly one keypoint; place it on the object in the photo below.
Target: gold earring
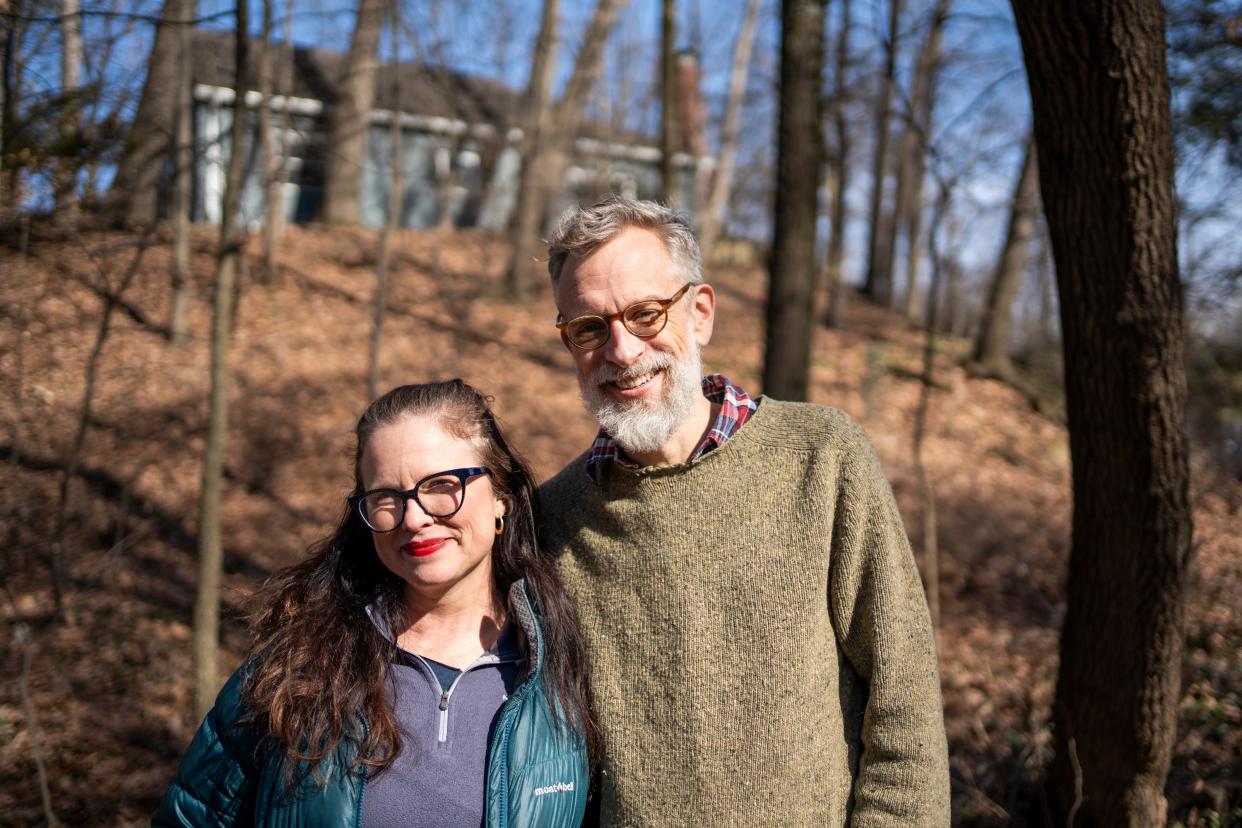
(500, 525)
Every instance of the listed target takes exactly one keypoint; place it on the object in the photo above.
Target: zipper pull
(444, 697)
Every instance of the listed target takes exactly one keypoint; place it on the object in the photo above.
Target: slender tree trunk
(267, 151)
(927, 494)
(915, 141)
(544, 166)
(66, 208)
(135, 190)
(879, 281)
(840, 176)
(528, 215)
(996, 327)
(392, 219)
(722, 182)
(210, 551)
(668, 102)
(349, 118)
(791, 291)
(1100, 97)
(178, 319)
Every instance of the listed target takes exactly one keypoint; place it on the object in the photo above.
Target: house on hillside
(460, 140)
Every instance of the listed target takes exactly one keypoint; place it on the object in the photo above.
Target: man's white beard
(645, 426)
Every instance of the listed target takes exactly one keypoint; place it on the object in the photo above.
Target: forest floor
(103, 698)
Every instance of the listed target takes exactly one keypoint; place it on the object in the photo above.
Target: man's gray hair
(580, 232)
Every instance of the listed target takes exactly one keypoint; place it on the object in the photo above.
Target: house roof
(418, 89)
(414, 88)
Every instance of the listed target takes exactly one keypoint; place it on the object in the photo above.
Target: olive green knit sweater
(760, 646)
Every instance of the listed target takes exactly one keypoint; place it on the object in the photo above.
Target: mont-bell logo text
(559, 787)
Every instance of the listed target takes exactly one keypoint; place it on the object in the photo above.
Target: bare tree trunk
(66, 209)
(915, 142)
(210, 552)
(267, 152)
(668, 103)
(544, 165)
(134, 194)
(996, 327)
(791, 291)
(396, 199)
(528, 215)
(178, 321)
(927, 494)
(879, 282)
(349, 119)
(722, 182)
(1100, 97)
(840, 173)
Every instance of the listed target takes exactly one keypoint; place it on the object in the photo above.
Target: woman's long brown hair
(318, 665)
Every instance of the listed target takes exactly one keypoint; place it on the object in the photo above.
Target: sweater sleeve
(879, 612)
(217, 779)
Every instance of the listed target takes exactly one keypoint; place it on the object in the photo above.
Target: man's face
(640, 390)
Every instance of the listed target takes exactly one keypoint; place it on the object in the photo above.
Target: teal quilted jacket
(224, 780)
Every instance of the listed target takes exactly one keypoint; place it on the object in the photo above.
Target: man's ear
(703, 313)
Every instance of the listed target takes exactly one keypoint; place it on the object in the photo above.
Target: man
(760, 646)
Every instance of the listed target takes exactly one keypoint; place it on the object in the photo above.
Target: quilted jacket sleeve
(218, 777)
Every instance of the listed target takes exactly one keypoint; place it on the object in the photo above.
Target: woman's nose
(415, 518)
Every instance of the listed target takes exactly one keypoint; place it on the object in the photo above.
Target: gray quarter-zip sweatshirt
(438, 778)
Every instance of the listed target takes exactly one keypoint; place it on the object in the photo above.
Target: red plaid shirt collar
(736, 406)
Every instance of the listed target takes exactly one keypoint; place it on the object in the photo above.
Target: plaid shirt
(736, 406)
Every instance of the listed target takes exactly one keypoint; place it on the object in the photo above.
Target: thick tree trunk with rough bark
(996, 327)
(134, 196)
(349, 118)
(543, 166)
(800, 148)
(722, 182)
(210, 549)
(1100, 96)
(879, 280)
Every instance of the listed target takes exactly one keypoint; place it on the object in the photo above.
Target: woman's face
(434, 556)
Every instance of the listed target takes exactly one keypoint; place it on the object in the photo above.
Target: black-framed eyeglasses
(440, 495)
(644, 319)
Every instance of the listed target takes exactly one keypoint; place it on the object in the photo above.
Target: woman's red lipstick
(423, 548)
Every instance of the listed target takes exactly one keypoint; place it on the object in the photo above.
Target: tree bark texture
(878, 285)
(544, 167)
(840, 175)
(1100, 96)
(349, 118)
(996, 327)
(134, 195)
(791, 288)
(210, 551)
(668, 102)
(722, 182)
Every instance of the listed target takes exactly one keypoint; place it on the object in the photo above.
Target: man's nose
(622, 347)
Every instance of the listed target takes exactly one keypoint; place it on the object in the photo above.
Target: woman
(423, 667)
